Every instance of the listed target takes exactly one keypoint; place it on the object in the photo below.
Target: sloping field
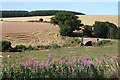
(86, 19)
(90, 19)
(36, 33)
(30, 33)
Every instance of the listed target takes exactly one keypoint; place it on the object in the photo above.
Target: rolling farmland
(86, 19)
(18, 31)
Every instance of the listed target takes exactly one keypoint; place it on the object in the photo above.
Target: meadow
(79, 62)
(89, 52)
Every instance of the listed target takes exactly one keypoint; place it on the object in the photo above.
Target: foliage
(14, 13)
(46, 21)
(67, 23)
(41, 20)
(100, 43)
(20, 48)
(71, 42)
(30, 47)
(118, 33)
(87, 31)
(6, 46)
(19, 13)
(55, 46)
(112, 30)
(105, 30)
(65, 30)
(72, 67)
(100, 29)
(33, 21)
(48, 47)
(77, 40)
(1, 19)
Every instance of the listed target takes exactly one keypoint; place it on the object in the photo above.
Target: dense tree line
(19, 13)
(14, 14)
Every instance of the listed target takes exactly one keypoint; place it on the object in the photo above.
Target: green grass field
(86, 51)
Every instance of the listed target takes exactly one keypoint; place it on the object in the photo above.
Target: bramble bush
(72, 67)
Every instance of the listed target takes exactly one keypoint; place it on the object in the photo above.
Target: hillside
(86, 19)
(29, 33)
(18, 31)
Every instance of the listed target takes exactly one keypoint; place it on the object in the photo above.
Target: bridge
(88, 41)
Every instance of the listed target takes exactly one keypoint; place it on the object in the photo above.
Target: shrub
(30, 47)
(41, 20)
(55, 46)
(94, 44)
(72, 42)
(20, 48)
(48, 47)
(103, 42)
(41, 46)
(1, 19)
(77, 40)
(64, 45)
(46, 21)
(33, 21)
(85, 36)
(6, 46)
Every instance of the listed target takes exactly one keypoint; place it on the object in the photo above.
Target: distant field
(86, 19)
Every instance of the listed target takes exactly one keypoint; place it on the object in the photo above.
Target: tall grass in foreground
(72, 67)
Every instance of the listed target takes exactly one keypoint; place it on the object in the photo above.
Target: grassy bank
(86, 51)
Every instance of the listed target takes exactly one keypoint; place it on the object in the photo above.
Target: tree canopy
(67, 23)
(105, 30)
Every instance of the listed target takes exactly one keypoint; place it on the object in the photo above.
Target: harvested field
(90, 19)
(86, 19)
(29, 33)
(47, 18)
(28, 27)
